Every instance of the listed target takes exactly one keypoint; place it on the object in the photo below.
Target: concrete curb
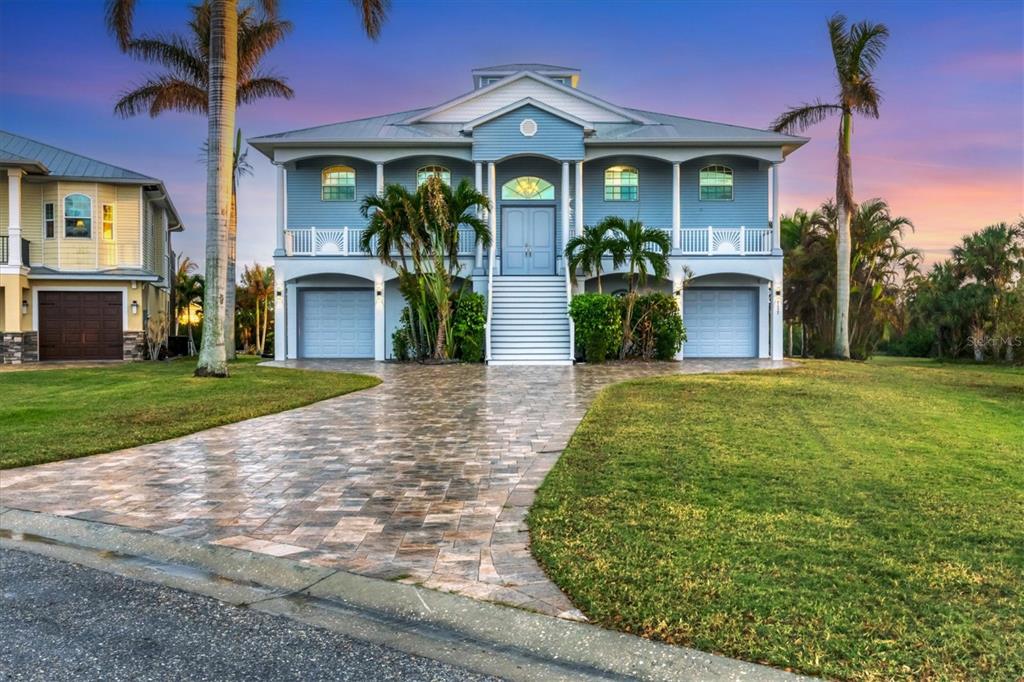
(491, 639)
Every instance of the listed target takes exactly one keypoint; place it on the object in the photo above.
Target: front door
(528, 240)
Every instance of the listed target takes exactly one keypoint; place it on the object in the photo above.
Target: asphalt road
(60, 621)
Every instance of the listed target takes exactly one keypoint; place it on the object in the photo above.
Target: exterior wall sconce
(135, 307)
(278, 293)
(24, 307)
(380, 292)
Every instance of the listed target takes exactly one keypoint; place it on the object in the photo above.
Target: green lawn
(852, 520)
(47, 415)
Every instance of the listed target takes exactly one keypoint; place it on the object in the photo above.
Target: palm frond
(159, 94)
(863, 97)
(803, 117)
(174, 52)
(256, 39)
(263, 86)
(120, 15)
(374, 13)
(839, 40)
(866, 44)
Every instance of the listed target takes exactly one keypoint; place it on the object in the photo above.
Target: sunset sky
(948, 151)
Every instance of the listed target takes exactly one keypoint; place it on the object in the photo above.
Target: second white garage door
(720, 323)
(336, 323)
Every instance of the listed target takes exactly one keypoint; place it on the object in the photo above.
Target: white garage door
(720, 323)
(336, 323)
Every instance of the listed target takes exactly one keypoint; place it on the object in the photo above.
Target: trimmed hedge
(657, 327)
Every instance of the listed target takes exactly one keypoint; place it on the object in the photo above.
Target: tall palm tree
(587, 251)
(188, 290)
(222, 96)
(856, 51)
(259, 284)
(184, 87)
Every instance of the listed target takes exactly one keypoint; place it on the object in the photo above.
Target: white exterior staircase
(529, 321)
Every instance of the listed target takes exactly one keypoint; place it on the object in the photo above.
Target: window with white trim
(338, 183)
(716, 183)
(49, 222)
(621, 183)
(440, 172)
(78, 216)
(108, 221)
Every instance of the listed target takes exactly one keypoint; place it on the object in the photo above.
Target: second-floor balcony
(720, 241)
(347, 241)
(5, 250)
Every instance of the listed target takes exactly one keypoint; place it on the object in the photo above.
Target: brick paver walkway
(426, 478)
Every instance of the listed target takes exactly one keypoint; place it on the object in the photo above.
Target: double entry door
(528, 240)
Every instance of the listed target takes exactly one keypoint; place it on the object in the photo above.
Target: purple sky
(948, 151)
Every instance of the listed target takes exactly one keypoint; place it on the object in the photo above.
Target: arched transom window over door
(716, 183)
(528, 188)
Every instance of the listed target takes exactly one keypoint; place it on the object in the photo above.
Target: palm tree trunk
(222, 91)
(230, 292)
(844, 209)
(266, 322)
(790, 340)
(259, 347)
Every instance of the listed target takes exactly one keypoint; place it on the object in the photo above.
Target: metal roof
(650, 128)
(515, 68)
(62, 163)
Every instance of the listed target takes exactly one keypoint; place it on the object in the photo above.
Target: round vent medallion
(528, 127)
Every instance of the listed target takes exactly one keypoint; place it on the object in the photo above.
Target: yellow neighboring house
(85, 255)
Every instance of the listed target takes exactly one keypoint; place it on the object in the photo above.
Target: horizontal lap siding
(654, 204)
(305, 208)
(749, 206)
(127, 225)
(556, 137)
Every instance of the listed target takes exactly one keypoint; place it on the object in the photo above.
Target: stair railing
(490, 298)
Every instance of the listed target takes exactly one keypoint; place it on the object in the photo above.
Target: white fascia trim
(93, 275)
(528, 101)
(533, 76)
(124, 302)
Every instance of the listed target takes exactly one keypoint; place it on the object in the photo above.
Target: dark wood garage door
(80, 325)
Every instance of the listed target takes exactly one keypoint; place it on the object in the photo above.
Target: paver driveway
(425, 478)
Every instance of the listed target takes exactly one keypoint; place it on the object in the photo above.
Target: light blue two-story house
(552, 159)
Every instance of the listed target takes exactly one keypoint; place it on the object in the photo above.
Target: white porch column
(14, 216)
(492, 215)
(280, 319)
(777, 322)
(677, 225)
(282, 208)
(478, 176)
(565, 211)
(378, 318)
(579, 198)
(380, 178)
(776, 228)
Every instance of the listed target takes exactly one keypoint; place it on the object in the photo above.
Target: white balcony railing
(719, 241)
(345, 241)
(726, 241)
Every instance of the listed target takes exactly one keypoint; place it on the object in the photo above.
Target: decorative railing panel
(347, 241)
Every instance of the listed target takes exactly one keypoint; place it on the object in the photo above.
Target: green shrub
(658, 331)
(401, 338)
(468, 325)
(917, 342)
(598, 324)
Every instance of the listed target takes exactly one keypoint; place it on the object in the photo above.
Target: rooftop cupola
(487, 75)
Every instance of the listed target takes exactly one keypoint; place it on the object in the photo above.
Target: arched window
(436, 171)
(716, 183)
(621, 183)
(77, 216)
(529, 188)
(338, 183)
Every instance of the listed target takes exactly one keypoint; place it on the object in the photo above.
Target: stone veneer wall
(134, 345)
(18, 347)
